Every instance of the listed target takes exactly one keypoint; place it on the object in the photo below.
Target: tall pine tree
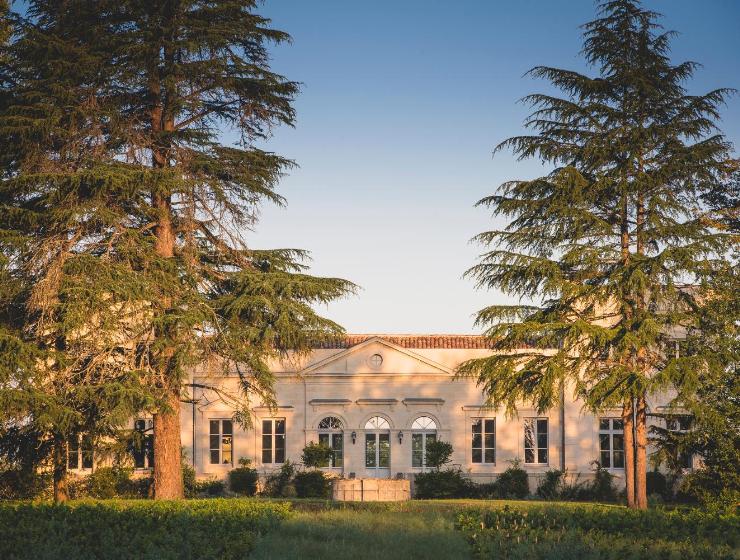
(65, 325)
(710, 391)
(606, 243)
(175, 75)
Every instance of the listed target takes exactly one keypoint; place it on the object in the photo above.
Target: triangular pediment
(362, 359)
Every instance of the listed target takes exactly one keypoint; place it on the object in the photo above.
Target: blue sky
(402, 104)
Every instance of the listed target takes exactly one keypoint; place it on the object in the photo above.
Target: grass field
(316, 530)
(419, 529)
(365, 534)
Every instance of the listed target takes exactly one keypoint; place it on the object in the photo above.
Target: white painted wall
(404, 374)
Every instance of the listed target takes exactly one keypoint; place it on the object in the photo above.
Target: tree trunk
(167, 454)
(167, 445)
(629, 453)
(641, 453)
(60, 471)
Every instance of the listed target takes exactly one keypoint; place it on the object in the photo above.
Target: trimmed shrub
(513, 482)
(243, 479)
(445, 484)
(438, 453)
(312, 484)
(119, 530)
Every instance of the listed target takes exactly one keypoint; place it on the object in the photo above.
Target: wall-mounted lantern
(354, 437)
(400, 436)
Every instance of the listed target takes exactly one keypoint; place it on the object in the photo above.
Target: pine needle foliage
(65, 308)
(615, 245)
(711, 396)
(127, 211)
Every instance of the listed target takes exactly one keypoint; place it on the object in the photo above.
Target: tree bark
(167, 444)
(641, 453)
(61, 494)
(629, 452)
(167, 454)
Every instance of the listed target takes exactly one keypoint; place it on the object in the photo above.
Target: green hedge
(216, 528)
(312, 484)
(600, 533)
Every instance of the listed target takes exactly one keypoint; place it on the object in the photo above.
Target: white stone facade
(375, 377)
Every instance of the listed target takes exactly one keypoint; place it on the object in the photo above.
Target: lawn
(515, 530)
(369, 532)
(278, 529)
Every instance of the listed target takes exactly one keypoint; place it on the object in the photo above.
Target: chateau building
(377, 400)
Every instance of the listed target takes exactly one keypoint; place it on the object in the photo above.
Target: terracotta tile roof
(412, 340)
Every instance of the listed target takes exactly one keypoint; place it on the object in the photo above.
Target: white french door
(378, 454)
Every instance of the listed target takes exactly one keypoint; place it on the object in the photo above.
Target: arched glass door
(423, 430)
(331, 434)
(378, 447)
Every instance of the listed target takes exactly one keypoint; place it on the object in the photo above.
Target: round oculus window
(375, 361)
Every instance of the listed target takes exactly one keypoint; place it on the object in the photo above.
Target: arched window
(330, 423)
(377, 423)
(424, 423)
(423, 430)
(377, 444)
(331, 434)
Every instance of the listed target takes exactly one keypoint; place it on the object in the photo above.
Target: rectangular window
(334, 441)
(681, 425)
(80, 452)
(143, 446)
(611, 443)
(273, 441)
(484, 440)
(221, 442)
(535, 441)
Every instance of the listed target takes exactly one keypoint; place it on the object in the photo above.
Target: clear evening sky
(402, 104)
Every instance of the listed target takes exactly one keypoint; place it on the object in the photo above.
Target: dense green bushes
(445, 484)
(288, 482)
(555, 486)
(217, 529)
(279, 484)
(316, 455)
(593, 533)
(512, 483)
(657, 485)
(102, 483)
(243, 479)
(551, 485)
(24, 485)
(114, 482)
(312, 484)
(194, 488)
(451, 483)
